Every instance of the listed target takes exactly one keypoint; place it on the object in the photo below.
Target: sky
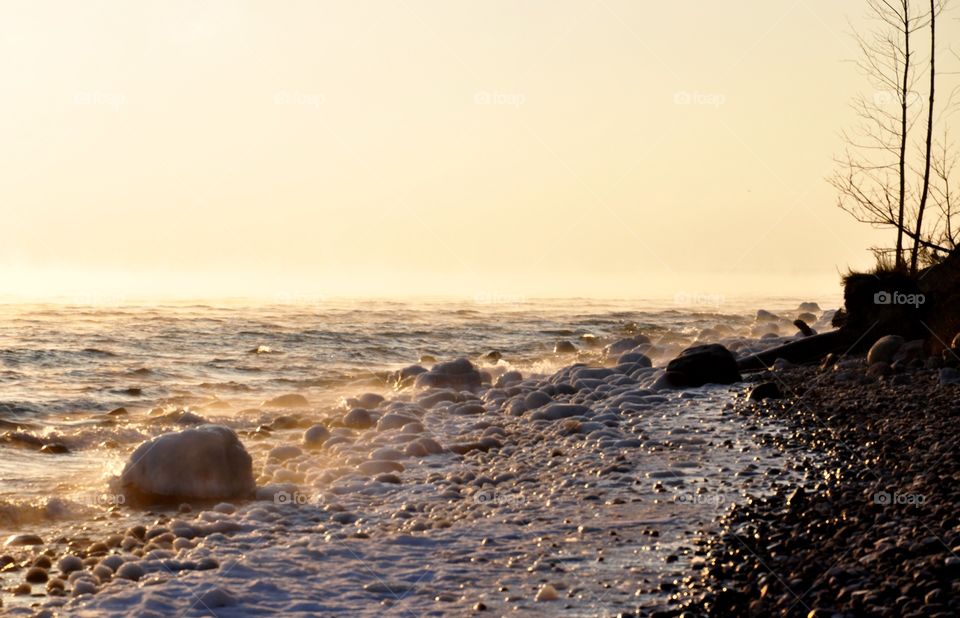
(426, 147)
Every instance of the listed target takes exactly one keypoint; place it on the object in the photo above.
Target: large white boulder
(203, 463)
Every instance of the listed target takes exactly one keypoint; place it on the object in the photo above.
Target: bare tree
(872, 175)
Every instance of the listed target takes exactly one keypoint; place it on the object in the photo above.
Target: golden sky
(408, 147)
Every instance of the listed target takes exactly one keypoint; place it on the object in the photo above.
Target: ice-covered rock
(204, 463)
(315, 436)
(459, 374)
(292, 400)
(621, 346)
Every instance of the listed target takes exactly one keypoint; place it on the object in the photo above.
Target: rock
(130, 570)
(547, 593)
(314, 437)
(885, 349)
(509, 378)
(458, 374)
(879, 369)
(216, 597)
(407, 375)
(393, 421)
(376, 467)
(803, 328)
(284, 452)
(949, 376)
(84, 586)
(703, 364)
(536, 399)
(386, 453)
(37, 575)
(430, 445)
(370, 400)
(415, 450)
(16, 540)
(68, 564)
(911, 351)
(810, 307)
(766, 316)
(635, 357)
(767, 390)
(118, 412)
(621, 346)
(206, 463)
(557, 411)
(492, 357)
(292, 400)
(358, 418)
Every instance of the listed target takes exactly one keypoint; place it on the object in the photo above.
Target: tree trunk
(926, 171)
(903, 130)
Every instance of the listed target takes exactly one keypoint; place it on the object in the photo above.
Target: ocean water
(64, 368)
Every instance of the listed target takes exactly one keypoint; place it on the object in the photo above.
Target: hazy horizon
(426, 149)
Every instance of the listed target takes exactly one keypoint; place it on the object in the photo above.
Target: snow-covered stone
(204, 463)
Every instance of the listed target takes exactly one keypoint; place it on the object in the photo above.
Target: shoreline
(596, 492)
(873, 530)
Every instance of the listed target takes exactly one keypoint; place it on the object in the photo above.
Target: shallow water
(64, 368)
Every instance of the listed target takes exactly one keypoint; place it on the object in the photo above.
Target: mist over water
(63, 368)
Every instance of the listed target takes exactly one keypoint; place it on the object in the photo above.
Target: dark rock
(54, 448)
(459, 374)
(767, 390)
(803, 328)
(357, 418)
(704, 364)
(885, 349)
